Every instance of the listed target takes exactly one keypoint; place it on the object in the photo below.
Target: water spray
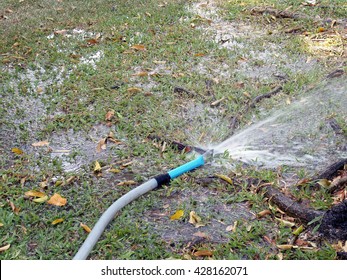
(151, 184)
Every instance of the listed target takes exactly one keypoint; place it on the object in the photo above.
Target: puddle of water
(76, 33)
(239, 37)
(78, 149)
(217, 216)
(92, 59)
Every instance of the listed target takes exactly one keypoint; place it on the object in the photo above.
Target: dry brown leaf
(201, 234)
(141, 74)
(285, 246)
(92, 41)
(285, 222)
(57, 221)
(35, 194)
(232, 227)
(194, 218)
(101, 145)
(57, 200)
(199, 54)
(109, 115)
(60, 32)
(40, 144)
(178, 214)
(85, 227)
(138, 47)
(203, 253)
(17, 151)
(263, 213)
(127, 183)
(70, 179)
(4, 248)
(14, 208)
(134, 90)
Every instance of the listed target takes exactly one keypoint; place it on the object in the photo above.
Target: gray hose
(108, 215)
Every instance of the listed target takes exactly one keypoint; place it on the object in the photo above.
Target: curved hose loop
(109, 214)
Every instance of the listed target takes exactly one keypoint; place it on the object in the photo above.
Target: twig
(257, 99)
(337, 185)
(266, 95)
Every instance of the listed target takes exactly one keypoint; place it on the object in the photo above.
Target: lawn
(85, 85)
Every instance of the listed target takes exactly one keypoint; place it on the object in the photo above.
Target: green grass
(67, 103)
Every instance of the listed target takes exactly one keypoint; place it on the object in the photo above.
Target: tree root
(291, 207)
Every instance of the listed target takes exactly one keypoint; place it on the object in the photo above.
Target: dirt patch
(216, 215)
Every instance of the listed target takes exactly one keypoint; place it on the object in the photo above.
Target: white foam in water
(297, 135)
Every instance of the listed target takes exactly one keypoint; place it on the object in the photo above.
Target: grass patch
(66, 65)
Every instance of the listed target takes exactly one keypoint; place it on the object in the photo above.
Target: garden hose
(153, 183)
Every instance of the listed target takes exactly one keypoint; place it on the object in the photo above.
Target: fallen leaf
(247, 94)
(344, 248)
(57, 200)
(177, 215)
(60, 32)
(17, 151)
(263, 213)
(59, 183)
(109, 115)
(127, 183)
(70, 179)
(41, 199)
(285, 246)
(232, 227)
(225, 178)
(298, 230)
(114, 170)
(267, 239)
(34, 194)
(40, 144)
(159, 61)
(92, 41)
(324, 183)
(201, 234)
(97, 167)
(203, 253)
(57, 221)
(138, 47)
(85, 227)
(284, 222)
(134, 90)
(4, 248)
(301, 242)
(127, 164)
(141, 74)
(101, 146)
(199, 54)
(14, 208)
(194, 218)
(39, 90)
(229, 228)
